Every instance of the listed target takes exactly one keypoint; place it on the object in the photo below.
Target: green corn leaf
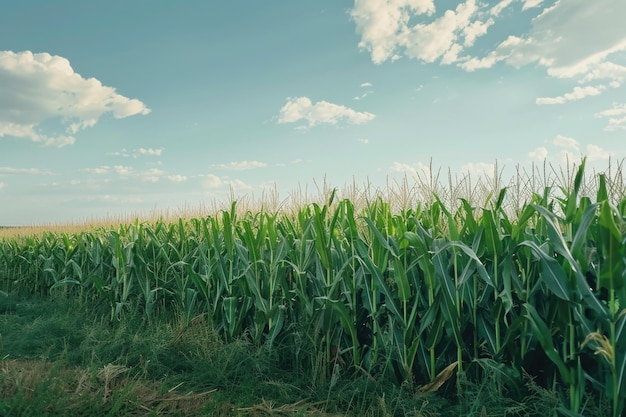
(580, 236)
(486, 329)
(498, 206)
(365, 259)
(278, 320)
(64, 282)
(434, 334)
(382, 241)
(544, 336)
(493, 239)
(572, 198)
(449, 296)
(452, 226)
(552, 273)
(612, 251)
(482, 272)
(402, 281)
(602, 195)
(560, 247)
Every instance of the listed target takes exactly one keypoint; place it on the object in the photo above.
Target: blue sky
(117, 107)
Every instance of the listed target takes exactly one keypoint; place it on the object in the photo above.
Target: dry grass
(77, 387)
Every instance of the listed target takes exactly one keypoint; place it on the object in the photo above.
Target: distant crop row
(338, 290)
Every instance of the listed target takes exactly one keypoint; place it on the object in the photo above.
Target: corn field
(369, 290)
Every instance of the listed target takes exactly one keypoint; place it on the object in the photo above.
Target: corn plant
(533, 282)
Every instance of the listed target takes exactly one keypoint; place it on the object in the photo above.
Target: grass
(62, 359)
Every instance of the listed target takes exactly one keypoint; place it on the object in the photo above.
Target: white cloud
(616, 115)
(402, 167)
(388, 30)
(177, 178)
(577, 94)
(150, 151)
(418, 170)
(136, 153)
(529, 4)
(42, 87)
(381, 24)
(122, 170)
(240, 165)
(497, 9)
(475, 30)
(129, 173)
(27, 171)
(101, 170)
(150, 175)
(362, 96)
(238, 185)
(605, 70)
(364, 141)
(478, 169)
(571, 39)
(301, 108)
(2, 185)
(539, 153)
(565, 142)
(212, 181)
(617, 110)
(440, 38)
(367, 84)
(114, 199)
(594, 152)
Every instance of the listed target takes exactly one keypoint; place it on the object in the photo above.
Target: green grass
(59, 358)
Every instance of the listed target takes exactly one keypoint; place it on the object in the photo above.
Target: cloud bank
(573, 39)
(39, 87)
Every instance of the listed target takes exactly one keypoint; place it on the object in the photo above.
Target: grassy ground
(59, 358)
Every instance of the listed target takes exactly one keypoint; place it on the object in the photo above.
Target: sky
(118, 107)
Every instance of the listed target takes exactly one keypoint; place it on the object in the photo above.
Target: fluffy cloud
(565, 142)
(382, 24)
(569, 150)
(2, 185)
(616, 115)
(539, 153)
(497, 9)
(150, 151)
(42, 87)
(594, 152)
(177, 178)
(214, 182)
(388, 30)
(128, 173)
(301, 108)
(478, 169)
(529, 4)
(577, 94)
(572, 39)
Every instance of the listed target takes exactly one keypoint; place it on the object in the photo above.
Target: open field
(465, 299)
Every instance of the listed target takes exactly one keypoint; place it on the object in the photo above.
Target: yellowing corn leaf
(440, 379)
